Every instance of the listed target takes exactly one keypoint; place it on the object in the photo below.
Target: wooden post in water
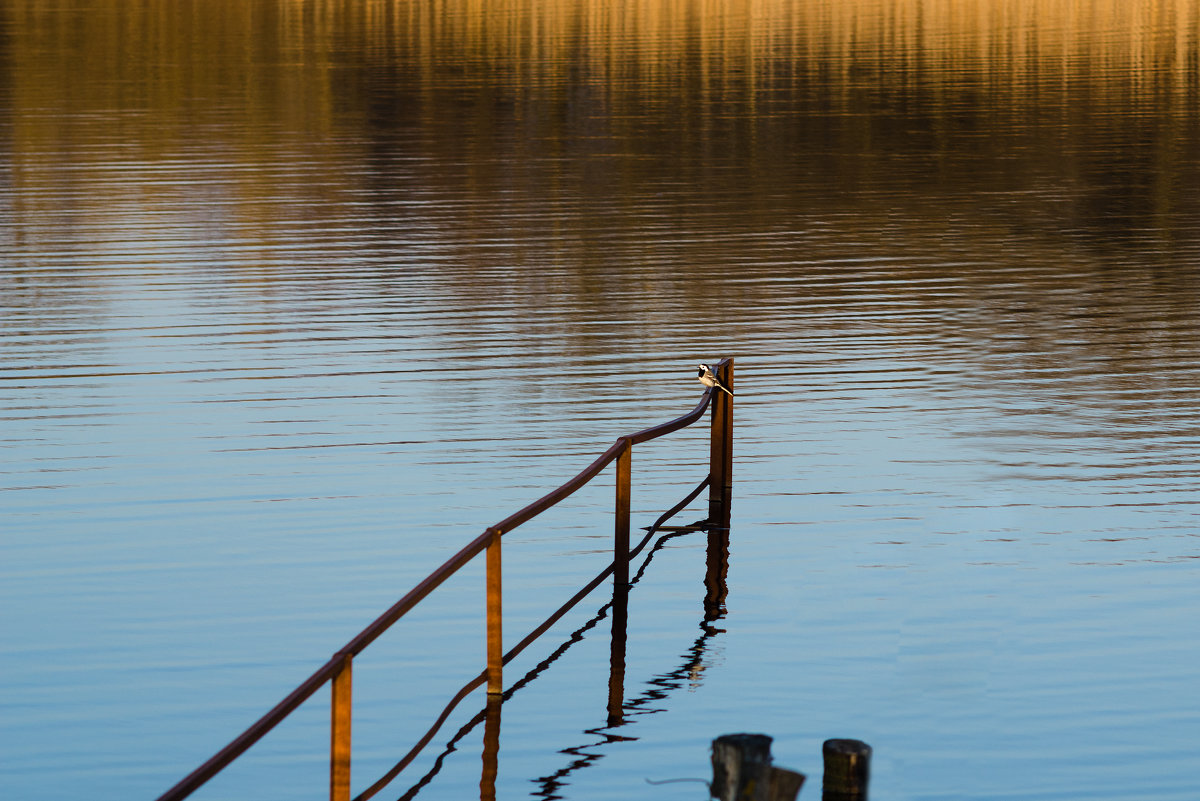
(621, 526)
(495, 639)
(339, 731)
(847, 770)
(720, 492)
(785, 784)
(720, 459)
(742, 771)
(620, 602)
(739, 763)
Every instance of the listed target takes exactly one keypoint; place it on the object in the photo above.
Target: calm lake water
(296, 297)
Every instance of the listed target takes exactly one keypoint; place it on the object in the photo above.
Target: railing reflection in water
(338, 671)
(618, 710)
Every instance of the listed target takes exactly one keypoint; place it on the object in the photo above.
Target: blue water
(295, 301)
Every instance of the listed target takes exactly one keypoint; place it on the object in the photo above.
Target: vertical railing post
(720, 489)
(339, 731)
(495, 639)
(621, 526)
(620, 604)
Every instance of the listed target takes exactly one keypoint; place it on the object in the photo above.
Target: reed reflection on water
(299, 296)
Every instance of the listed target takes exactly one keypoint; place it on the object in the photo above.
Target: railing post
(339, 731)
(495, 639)
(621, 527)
(720, 489)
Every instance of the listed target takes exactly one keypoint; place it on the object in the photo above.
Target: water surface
(297, 298)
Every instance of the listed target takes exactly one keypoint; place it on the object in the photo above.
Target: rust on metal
(414, 596)
(654, 432)
(495, 617)
(549, 499)
(339, 730)
(240, 744)
(720, 489)
(621, 526)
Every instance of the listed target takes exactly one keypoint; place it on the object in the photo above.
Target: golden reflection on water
(104, 79)
(612, 155)
(295, 61)
(1012, 38)
(570, 133)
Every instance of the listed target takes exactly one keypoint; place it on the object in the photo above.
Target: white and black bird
(709, 379)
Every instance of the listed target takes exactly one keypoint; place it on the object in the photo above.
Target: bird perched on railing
(709, 379)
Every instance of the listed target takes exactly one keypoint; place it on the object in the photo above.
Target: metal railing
(338, 670)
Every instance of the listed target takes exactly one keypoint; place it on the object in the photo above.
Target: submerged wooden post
(620, 602)
(495, 639)
(720, 491)
(621, 527)
(720, 459)
(742, 771)
(785, 784)
(847, 770)
(739, 763)
(339, 731)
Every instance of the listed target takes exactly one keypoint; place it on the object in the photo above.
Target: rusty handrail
(309, 686)
(683, 421)
(338, 669)
(513, 652)
(566, 490)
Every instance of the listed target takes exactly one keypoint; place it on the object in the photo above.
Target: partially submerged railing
(338, 670)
